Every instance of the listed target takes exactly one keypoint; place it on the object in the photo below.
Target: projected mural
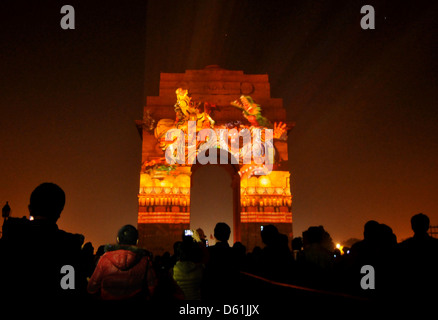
(213, 117)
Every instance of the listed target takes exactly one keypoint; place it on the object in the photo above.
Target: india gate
(219, 115)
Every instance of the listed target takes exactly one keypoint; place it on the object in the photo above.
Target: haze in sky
(365, 144)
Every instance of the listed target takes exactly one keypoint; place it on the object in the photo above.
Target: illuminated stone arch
(204, 96)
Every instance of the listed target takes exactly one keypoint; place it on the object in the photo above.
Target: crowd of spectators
(33, 253)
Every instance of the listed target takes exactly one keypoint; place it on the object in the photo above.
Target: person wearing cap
(124, 271)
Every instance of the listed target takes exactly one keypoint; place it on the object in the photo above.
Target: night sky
(365, 145)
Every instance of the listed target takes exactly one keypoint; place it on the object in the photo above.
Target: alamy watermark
(68, 20)
(68, 280)
(368, 280)
(368, 20)
(257, 146)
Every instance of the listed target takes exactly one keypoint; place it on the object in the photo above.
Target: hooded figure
(121, 271)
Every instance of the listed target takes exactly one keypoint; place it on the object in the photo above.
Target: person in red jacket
(121, 271)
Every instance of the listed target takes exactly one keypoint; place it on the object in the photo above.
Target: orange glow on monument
(174, 148)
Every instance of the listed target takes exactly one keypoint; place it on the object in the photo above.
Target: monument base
(160, 237)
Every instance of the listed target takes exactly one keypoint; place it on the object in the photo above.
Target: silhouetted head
(128, 235)
(239, 248)
(222, 231)
(257, 251)
(283, 240)
(47, 201)
(88, 248)
(313, 235)
(370, 230)
(100, 250)
(269, 234)
(201, 234)
(420, 223)
(176, 247)
(187, 251)
(386, 235)
(297, 243)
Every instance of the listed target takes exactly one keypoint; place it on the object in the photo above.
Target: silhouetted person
(87, 259)
(124, 271)
(276, 259)
(419, 259)
(421, 239)
(199, 239)
(254, 260)
(377, 249)
(222, 270)
(316, 259)
(239, 251)
(363, 252)
(6, 211)
(202, 236)
(297, 247)
(99, 253)
(35, 251)
(188, 271)
(176, 251)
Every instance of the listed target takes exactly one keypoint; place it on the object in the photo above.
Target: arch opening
(211, 200)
